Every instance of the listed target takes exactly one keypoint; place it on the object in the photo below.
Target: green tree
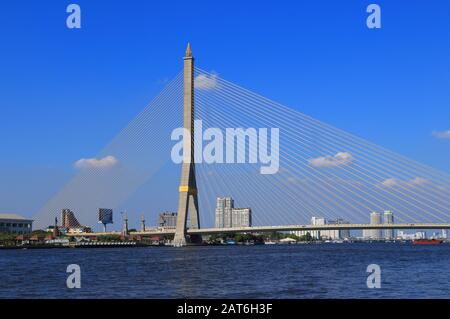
(40, 233)
(306, 237)
(108, 238)
(7, 239)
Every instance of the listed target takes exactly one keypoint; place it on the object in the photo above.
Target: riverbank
(78, 245)
(132, 244)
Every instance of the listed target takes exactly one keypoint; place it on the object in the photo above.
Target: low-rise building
(15, 224)
(333, 234)
(168, 219)
(406, 236)
(79, 230)
(337, 234)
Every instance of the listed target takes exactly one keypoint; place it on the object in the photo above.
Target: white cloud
(442, 134)
(340, 159)
(418, 181)
(395, 182)
(105, 162)
(391, 182)
(205, 82)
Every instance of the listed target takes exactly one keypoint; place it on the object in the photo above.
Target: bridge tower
(188, 201)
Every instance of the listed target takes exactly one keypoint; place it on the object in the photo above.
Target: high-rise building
(68, 219)
(168, 219)
(227, 216)
(388, 219)
(224, 207)
(241, 217)
(375, 234)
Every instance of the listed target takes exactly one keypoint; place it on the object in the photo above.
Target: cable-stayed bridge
(321, 170)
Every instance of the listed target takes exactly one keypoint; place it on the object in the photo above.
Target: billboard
(105, 216)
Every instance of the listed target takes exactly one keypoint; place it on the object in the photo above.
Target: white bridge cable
(218, 190)
(368, 146)
(326, 126)
(427, 194)
(252, 183)
(370, 176)
(235, 185)
(87, 185)
(282, 184)
(430, 197)
(323, 195)
(371, 195)
(400, 198)
(220, 88)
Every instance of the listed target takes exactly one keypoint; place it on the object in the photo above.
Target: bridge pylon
(188, 200)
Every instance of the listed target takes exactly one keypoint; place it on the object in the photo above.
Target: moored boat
(427, 241)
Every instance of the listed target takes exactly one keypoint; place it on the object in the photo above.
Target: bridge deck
(262, 229)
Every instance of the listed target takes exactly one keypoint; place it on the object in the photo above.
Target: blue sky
(64, 94)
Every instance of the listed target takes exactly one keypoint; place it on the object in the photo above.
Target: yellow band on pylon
(185, 188)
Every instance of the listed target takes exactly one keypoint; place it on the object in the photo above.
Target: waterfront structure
(188, 200)
(332, 234)
(15, 224)
(78, 230)
(227, 216)
(388, 218)
(168, 219)
(421, 235)
(338, 234)
(406, 236)
(316, 234)
(316, 221)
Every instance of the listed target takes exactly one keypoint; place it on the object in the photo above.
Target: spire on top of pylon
(188, 50)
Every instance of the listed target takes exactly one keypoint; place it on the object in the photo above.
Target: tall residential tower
(389, 219)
